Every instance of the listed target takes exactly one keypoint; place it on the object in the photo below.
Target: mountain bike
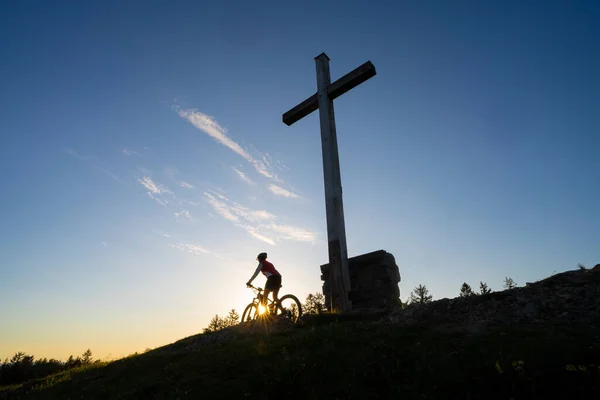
(288, 307)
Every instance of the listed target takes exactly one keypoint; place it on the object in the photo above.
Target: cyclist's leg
(276, 287)
(266, 292)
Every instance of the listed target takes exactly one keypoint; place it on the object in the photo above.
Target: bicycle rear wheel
(289, 307)
(250, 313)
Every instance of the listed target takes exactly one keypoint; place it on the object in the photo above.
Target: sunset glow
(145, 163)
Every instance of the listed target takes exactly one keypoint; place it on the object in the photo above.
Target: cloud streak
(279, 191)
(288, 232)
(194, 249)
(221, 208)
(243, 176)
(155, 191)
(253, 231)
(186, 185)
(160, 233)
(157, 199)
(149, 184)
(183, 214)
(260, 224)
(211, 127)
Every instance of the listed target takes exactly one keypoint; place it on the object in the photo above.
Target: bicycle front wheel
(250, 313)
(289, 307)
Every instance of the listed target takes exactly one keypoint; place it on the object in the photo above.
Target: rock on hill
(567, 298)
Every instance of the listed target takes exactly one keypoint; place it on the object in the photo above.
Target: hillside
(539, 341)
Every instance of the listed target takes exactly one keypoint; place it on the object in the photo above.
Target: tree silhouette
(86, 357)
(314, 304)
(509, 283)
(232, 318)
(420, 295)
(465, 290)
(217, 323)
(483, 288)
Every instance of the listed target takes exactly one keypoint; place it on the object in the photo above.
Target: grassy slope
(344, 360)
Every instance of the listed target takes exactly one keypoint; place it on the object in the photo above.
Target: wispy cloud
(260, 224)
(183, 214)
(222, 197)
(289, 232)
(281, 166)
(186, 185)
(194, 249)
(160, 233)
(221, 208)
(155, 191)
(279, 191)
(129, 152)
(157, 199)
(211, 127)
(91, 161)
(243, 176)
(104, 244)
(264, 170)
(255, 233)
(262, 215)
(150, 185)
(268, 160)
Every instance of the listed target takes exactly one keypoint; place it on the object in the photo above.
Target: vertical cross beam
(336, 230)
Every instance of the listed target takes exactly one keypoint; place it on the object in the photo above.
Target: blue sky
(144, 163)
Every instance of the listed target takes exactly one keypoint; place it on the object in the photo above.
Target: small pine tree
(314, 304)
(509, 283)
(232, 318)
(465, 290)
(581, 266)
(73, 362)
(216, 324)
(420, 294)
(483, 288)
(86, 357)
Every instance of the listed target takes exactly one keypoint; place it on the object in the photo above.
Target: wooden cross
(336, 231)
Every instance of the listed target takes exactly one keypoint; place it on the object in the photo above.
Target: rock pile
(374, 280)
(571, 297)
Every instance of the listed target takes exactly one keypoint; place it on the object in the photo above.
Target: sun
(261, 309)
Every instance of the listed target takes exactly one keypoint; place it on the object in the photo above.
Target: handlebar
(255, 288)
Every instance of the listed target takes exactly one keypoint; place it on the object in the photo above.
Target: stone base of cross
(336, 231)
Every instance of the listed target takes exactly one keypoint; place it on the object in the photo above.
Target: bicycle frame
(273, 307)
(259, 296)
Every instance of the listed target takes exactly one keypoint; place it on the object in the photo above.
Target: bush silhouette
(420, 295)
(465, 290)
(23, 367)
(314, 304)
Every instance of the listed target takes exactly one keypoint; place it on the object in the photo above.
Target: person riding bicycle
(273, 278)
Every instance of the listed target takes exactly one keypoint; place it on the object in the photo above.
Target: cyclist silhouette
(273, 278)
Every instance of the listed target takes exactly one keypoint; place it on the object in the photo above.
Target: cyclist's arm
(255, 274)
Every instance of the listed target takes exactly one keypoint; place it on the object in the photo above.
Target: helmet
(262, 256)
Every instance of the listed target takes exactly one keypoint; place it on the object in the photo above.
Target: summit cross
(336, 231)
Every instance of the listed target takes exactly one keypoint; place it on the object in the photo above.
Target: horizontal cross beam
(336, 89)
